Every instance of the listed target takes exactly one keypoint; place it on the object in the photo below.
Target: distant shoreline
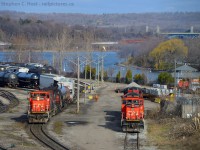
(141, 68)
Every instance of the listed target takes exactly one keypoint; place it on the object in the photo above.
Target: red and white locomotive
(44, 104)
(132, 112)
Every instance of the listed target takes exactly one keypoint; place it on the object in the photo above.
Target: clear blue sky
(100, 6)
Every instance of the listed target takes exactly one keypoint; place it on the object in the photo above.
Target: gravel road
(97, 127)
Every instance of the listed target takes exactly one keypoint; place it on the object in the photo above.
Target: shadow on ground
(23, 118)
(113, 119)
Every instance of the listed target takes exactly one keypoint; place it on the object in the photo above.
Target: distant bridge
(181, 35)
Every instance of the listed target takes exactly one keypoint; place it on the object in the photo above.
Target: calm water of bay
(111, 59)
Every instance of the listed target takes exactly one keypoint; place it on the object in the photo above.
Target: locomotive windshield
(129, 102)
(39, 96)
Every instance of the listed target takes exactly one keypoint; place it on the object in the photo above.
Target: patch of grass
(20, 125)
(71, 112)
(172, 133)
(57, 127)
(2, 118)
(158, 133)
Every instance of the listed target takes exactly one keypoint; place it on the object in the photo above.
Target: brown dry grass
(173, 133)
(57, 127)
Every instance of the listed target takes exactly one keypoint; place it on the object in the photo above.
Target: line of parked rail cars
(28, 76)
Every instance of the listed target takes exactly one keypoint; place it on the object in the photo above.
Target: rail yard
(41, 112)
(97, 126)
(99, 76)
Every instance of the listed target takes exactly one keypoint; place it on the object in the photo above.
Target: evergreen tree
(118, 77)
(128, 76)
(87, 69)
(140, 79)
(165, 78)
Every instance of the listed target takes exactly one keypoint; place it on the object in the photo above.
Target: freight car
(44, 104)
(9, 79)
(41, 69)
(28, 80)
(132, 112)
(47, 80)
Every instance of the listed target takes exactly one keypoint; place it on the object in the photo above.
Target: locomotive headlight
(12, 76)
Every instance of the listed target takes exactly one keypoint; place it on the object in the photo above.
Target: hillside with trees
(167, 21)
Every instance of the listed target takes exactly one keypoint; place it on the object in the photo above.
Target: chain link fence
(190, 106)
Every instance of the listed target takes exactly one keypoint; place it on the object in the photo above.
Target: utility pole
(85, 81)
(90, 66)
(29, 56)
(60, 62)
(102, 65)
(98, 71)
(175, 80)
(78, 80)
(53, 59)
(102, 69)
(78, 84)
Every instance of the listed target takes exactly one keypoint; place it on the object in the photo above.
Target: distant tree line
(29, 33)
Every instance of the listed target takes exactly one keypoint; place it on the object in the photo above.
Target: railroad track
(2, 148)
(131, 141)
(38, 131)
(13, 101)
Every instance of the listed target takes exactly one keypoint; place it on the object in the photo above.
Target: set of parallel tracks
(39, 132)
(13, 101)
